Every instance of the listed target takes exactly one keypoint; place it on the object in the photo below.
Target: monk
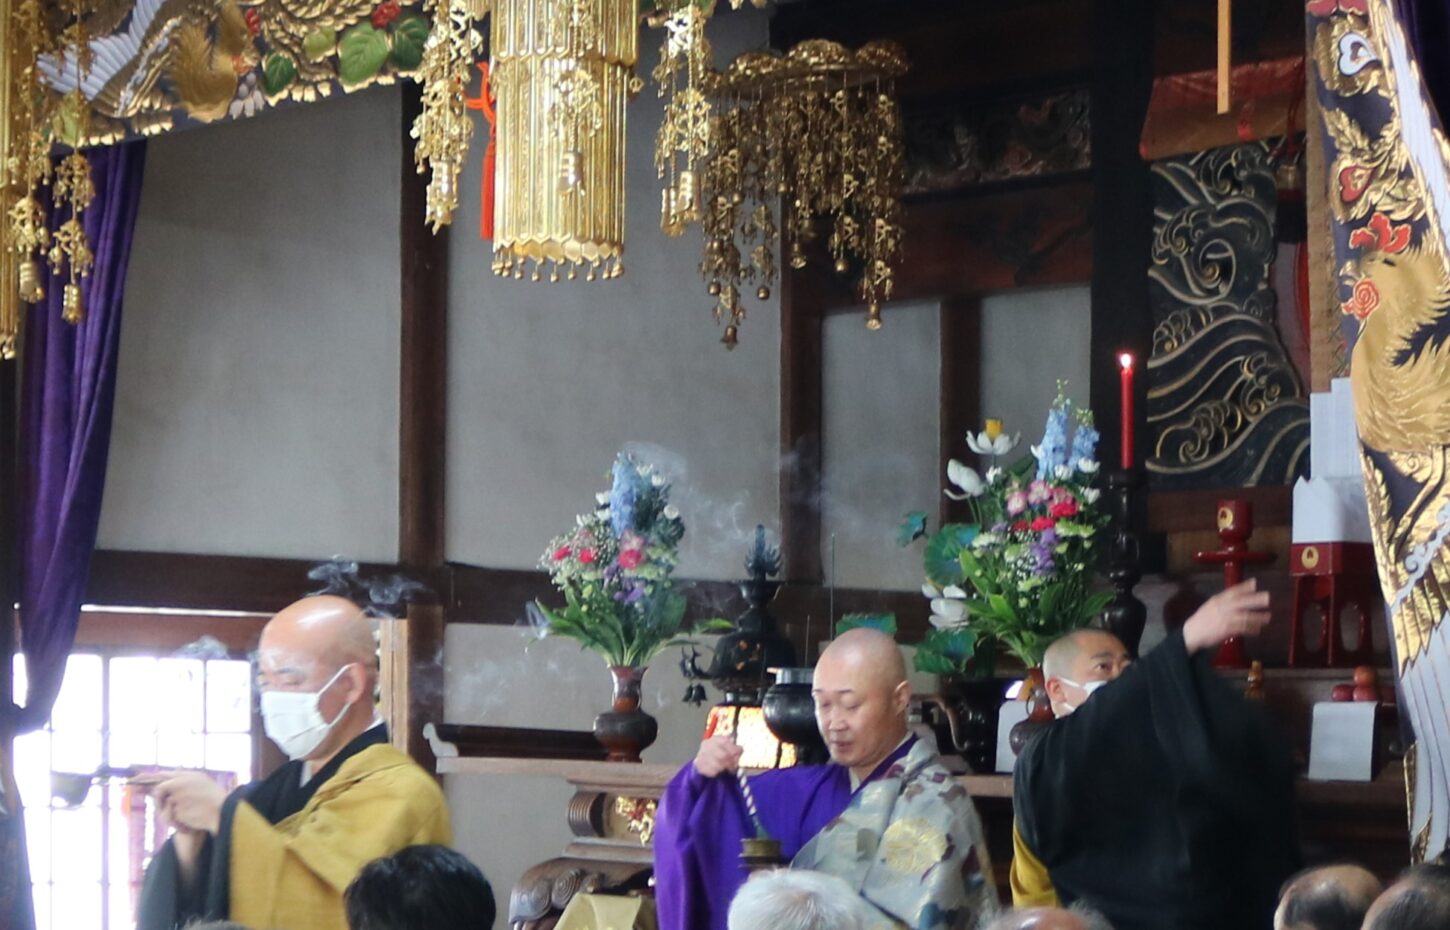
(883, 815)
(1158, 796)
(280, 852)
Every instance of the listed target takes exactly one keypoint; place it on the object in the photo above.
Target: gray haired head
(796, 899)
(1077, 917)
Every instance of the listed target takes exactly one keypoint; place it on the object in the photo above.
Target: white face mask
(293, 719)
(1088, 687)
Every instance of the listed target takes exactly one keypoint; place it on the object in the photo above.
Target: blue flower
(1084, 443)
(1053, 450)
(623, 496)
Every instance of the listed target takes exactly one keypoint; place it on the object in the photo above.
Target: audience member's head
(1420, 900)
(1077, 917)
(214, 925)
(796, 899)
(1332, 897)
(420, 888)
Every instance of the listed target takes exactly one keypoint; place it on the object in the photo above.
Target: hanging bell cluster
(562, 72)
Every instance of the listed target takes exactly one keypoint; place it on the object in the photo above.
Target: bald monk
(1331, 897)
(883, 815)
(1159, 796)
(1051, 918)
(280, 852)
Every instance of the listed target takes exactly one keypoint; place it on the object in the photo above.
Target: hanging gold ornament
(817, 134)
(443, 130)
(562, 71)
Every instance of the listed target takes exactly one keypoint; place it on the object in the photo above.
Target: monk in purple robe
(884, 814)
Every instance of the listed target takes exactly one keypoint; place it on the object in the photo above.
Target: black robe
(1166, 801)
(166, 905)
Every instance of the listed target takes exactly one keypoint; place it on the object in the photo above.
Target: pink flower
(1016, 503)
(1043, 523)
(629, 559)
(561, 553)
(1020, 525)
(1038, 492)
(586, 556)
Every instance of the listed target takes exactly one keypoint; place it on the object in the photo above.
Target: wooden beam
(423, 388)
(961, 390)
(1225, 55)
(801, 397)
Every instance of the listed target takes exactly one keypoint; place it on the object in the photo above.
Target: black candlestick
(1125, 616)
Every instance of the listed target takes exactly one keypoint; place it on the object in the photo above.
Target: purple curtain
(66, 394)
(1427, 26)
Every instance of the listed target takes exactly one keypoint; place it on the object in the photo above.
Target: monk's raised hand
(191, 800)
(717, 755)
(1242, 610)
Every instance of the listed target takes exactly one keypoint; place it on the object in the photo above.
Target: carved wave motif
(1225, 404)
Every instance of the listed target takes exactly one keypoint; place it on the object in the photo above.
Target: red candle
(1125, 362)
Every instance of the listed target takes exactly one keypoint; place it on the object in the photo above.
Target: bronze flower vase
(624, 729)
(1039, 710)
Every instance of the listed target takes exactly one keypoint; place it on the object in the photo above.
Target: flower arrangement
(614, 570)
(1019, 575)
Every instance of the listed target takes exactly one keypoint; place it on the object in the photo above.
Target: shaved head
(1081, 658)
(1078, 917)
(1333, 897)
(861, 697)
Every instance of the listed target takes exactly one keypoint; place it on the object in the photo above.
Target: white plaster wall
(257, 403)
(496, 676)
(548, 381)
(880, 425)
(1030, 340)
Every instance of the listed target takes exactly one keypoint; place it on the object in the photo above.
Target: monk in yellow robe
(280, 852)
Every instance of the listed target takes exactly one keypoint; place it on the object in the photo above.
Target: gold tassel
(73, 308)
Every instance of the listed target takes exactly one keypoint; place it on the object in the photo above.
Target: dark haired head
(420, 888)
(1420, 900)
(1333, 897)
(387, 596)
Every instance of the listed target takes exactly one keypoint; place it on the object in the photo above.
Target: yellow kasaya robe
(286, 850)
(292, 875)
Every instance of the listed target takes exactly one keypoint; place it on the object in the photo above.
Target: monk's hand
(191, 801)
(1242, 610)
(717, 755)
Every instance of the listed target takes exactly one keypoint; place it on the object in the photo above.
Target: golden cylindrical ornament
(30, 281)
(561, 73)
(73, 308)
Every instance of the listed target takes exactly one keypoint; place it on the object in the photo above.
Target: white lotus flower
(965, 478)
(947, 613)
(657, 480)
(1062, 472)
(602, 498)
(930, 591)
(1088, 466)
(993, 474)
(954, 591)
(983, 444)
(1091, 495)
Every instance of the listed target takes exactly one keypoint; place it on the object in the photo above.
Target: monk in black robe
(1166, 801)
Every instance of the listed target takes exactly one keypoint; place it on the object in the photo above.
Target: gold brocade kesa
(818, 132)
(562, 71)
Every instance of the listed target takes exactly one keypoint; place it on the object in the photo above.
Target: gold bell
(73, 309)
(873, 317)
(571, 167)
(729, 340)
(32, 287)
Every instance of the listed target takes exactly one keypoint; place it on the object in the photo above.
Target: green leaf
(319, 44)
(360, 54)
(410, 34)
(278, 72)
(913, 527)
(886, 623)
(942, 559)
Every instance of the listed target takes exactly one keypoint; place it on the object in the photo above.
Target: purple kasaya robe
(701, 822)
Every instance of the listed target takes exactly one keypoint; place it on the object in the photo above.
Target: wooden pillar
(801, 397)
(1123, 207)
(961, 391)
(9, 542)
(412, 663)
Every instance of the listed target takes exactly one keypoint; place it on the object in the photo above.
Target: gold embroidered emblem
(912, 846)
